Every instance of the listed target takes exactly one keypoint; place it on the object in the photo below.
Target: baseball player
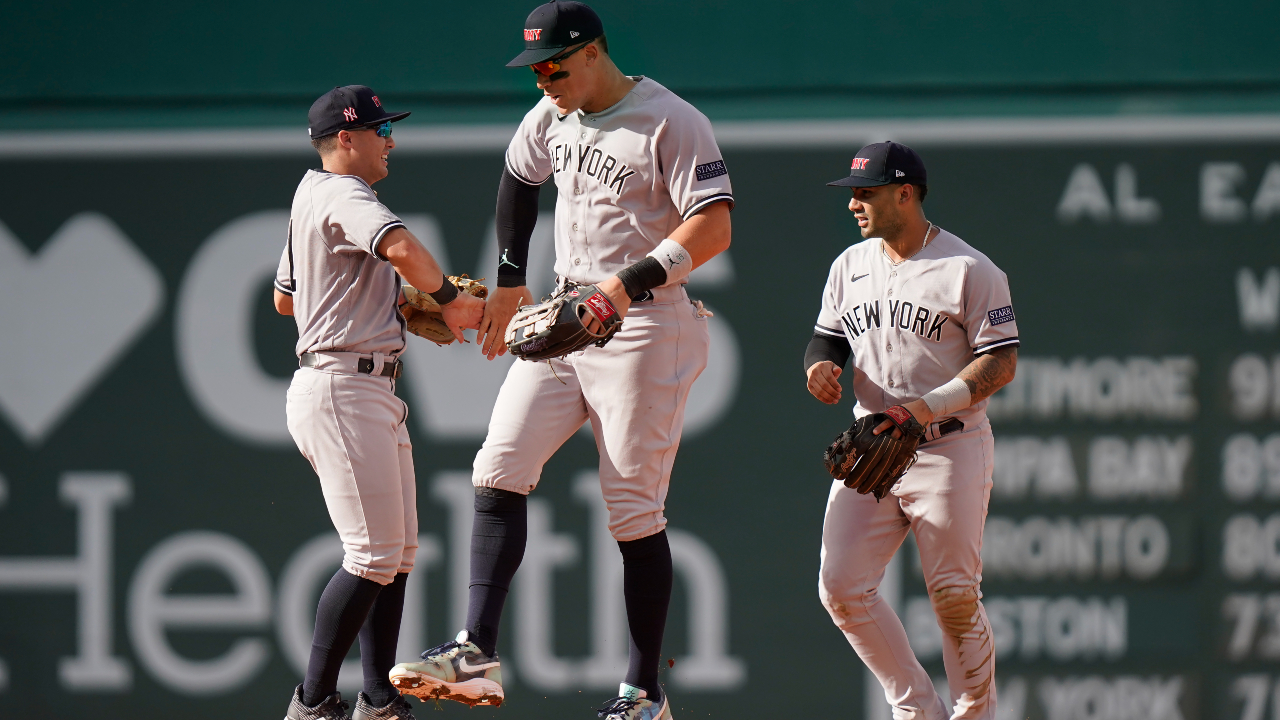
(929, 324)
(643, 198)
(338, 279)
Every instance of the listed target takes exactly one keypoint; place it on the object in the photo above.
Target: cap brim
(389, 117)
(855, 181)
(536, 55)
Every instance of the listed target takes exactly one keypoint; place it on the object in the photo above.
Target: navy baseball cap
(554, 27)
(347, 108)
(883, 163)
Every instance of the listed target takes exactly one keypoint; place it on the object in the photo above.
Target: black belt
(645, 296)
(948, 426)
(390, 367)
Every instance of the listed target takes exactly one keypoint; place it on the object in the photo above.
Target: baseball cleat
(456, 670)
(331, 708)
(397, 709)
(633, 703)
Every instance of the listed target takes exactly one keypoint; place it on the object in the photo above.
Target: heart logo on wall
(66, 314)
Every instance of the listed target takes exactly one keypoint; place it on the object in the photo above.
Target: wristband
(445, 295)
(674, 259)
(644, 275)
(949, 398)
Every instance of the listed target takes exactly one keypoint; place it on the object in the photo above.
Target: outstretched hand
(464, 313)
(502, 306)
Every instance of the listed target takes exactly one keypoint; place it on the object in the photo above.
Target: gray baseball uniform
(344, 418)
(914, 326)
(626, 178)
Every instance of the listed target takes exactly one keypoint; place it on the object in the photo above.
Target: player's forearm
(990, 372)
(515, 216)
(706, 234)
(284, 303)
(412, 261)
(694, 242)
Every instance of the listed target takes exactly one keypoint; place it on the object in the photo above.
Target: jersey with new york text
(915, 325)
(626, 177)
(344, 292)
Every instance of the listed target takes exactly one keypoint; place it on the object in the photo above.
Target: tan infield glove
(422, 313)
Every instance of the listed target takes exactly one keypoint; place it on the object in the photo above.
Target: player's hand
(502, 306)
(824, 381)
(617, 294)
(463, 313)
(919, 410)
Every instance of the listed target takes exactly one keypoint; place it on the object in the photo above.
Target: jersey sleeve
(284, 272)
(691, 163)
(829, 323)
(528, 157)
(358, 220)
(988, 320)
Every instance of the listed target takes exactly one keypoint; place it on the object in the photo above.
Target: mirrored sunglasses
(548, 67)
(383, 130)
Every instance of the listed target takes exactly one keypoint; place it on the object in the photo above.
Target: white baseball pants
(943, 499)
(352, 429)
(632, 390)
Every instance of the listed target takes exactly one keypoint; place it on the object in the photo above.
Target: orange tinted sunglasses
(548, 67)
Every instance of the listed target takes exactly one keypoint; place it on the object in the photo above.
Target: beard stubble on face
(884, 222)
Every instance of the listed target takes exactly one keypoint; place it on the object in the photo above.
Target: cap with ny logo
(347, 108)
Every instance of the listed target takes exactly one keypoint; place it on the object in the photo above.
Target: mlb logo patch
(1000, 315)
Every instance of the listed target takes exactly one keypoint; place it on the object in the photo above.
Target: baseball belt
(939, 429)
(390, 368)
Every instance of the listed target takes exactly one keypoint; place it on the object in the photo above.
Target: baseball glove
(556, 327)
(422, 313)
(871, 463)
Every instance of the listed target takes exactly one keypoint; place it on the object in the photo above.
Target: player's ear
(344, 139)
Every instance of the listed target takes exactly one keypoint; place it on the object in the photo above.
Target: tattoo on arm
(988, 373)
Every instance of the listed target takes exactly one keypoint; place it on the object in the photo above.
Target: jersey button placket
(581, 250)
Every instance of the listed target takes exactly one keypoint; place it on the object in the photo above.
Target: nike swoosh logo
(467, 667)
(856, 278)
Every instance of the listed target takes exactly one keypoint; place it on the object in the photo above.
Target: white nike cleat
(633, 703)
(456, 670)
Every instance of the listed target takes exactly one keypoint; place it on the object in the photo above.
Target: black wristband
(825, 347)
(510, 281)
(445, 295)
(644, 275)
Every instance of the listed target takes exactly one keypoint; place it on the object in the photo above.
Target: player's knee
(626, 526)
(957, 607)
(380, 567)
(845, 605)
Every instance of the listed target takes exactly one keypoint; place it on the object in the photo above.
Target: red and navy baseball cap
(554, 27)
(347, 108)
(883, 163)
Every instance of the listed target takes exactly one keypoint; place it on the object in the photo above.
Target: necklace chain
(922, 247)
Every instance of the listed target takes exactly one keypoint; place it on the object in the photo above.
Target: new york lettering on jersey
(592, 162)
(904, 315)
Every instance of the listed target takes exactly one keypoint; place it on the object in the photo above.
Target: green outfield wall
(244, 63)
(162, 543)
